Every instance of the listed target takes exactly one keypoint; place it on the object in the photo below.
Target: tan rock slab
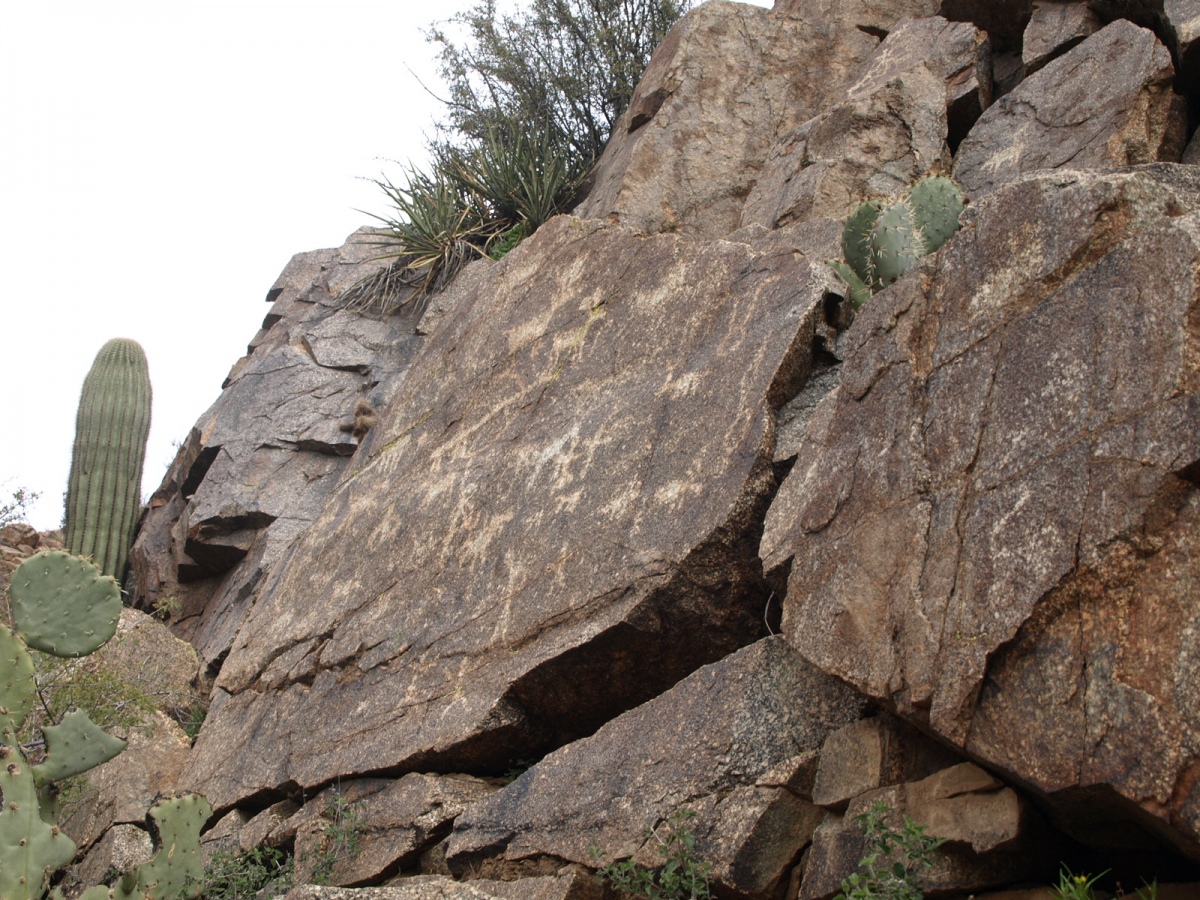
(1053, 29)
(725, 84)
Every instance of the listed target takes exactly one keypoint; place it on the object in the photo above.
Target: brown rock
(1107, 102)
(567, 886)
(1053, 29)
(1177, 24)
(727, 81)
(399, 820)
(872, 753)
(145, 652)
(991, 836)
(956, 52)
(872, 16)
(600, 533)
(268, 828)
(875, 144)
(1040, 362)
(735, 743)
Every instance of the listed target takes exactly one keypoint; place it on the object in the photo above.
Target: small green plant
(343, 836)
(889, 870)
(166, 607)
(507, 241)
(681, 876)
(881, 242)
(194, 720)
(1076, 887)
(16, 508)
(242, 876)
(1082, 887)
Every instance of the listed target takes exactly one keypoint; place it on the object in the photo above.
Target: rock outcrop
(653, 516)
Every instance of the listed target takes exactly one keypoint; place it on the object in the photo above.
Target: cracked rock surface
(989, 514)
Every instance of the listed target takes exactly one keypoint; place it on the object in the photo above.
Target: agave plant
(520, 179)
(437, 230)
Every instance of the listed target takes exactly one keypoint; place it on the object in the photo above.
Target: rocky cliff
(653, 520)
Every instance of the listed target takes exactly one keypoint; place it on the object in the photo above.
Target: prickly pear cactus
(62, 605)
(175, 870)
(880, 242)
(111, 427)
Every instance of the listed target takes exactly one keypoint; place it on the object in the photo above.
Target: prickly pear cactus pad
(175, 871)
(75, 746)
(62, 605)
(17, 688)
(30, 848)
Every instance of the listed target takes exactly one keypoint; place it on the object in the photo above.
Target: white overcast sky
(162, 161)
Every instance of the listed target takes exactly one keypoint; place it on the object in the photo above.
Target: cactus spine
(881, 242)
(111, 428)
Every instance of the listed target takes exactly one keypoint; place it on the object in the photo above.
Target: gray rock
(563, 494)
(1039, 362)
(1107, 102)
(400, 819)
(735, 743)
(874, 144)
(259, 465)
(567, 886)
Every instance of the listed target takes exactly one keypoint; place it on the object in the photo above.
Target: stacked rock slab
(259, 464)
(735, 744)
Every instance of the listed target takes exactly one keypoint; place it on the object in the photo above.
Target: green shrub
(241, 876)
(890, 869)
(681, 877)
(1082, 887)
(16, 508)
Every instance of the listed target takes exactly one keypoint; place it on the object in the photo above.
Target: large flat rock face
(992, 517)
(554, 521)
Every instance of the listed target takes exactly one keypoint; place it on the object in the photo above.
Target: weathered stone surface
(145, 653)
(121, 848)
(1053, 29)
(872, 753)
(402, 818)
(1042, 361)
(260, 463)
(956, 52)
(1176, 22)
(874, 144)
(735, 743)
(727, 81)
(123, 789)
(1107, 102)
(592, 464)
(992, 837)
(269, 828)
(871, 16)
(567, 886)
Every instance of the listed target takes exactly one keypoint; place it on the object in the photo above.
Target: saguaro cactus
(111, 427)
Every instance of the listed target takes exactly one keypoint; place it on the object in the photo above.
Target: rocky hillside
(653, 520)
